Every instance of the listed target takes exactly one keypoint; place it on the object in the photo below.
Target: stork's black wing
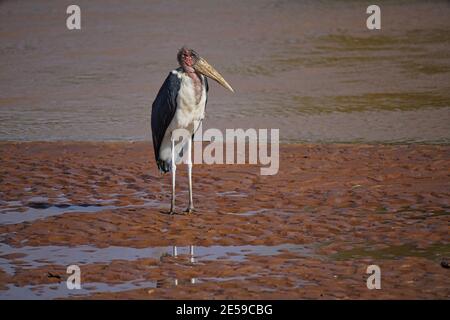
(163, 110)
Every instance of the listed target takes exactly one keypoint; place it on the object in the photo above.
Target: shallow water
(60, 290)
(310, 68)
(17, 212)
(37, 208)
(33, 257)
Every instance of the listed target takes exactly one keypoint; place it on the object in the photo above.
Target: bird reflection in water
(174, 281)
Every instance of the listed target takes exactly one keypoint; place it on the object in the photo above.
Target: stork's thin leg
(191, 260)
(174, 251)
(174, 170)
(175, 254)
(189, 165)
(191, 254)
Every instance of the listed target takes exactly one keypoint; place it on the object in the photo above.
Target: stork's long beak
(206, 69)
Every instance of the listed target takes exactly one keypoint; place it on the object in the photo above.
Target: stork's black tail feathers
(166, 166)
(163, 166)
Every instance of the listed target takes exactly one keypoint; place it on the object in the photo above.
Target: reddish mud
(308, 232)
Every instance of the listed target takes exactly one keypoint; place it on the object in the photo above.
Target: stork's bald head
(187, 58)
(191, 62)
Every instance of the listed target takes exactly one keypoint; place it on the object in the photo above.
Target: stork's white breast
(188, 110)
(188, 115)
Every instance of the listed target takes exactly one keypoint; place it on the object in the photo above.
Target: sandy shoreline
(308, 232)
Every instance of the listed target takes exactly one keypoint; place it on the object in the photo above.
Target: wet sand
(309, 232)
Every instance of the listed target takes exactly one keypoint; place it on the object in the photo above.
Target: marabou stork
(180, 104)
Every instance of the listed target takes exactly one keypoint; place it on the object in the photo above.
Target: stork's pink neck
(196, 80)
(188, 69)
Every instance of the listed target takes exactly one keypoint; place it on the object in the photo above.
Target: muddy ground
(308, 232)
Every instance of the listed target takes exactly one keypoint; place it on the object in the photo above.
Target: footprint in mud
(46, 205)
(39, 205)
(147, 177)
(129, 180)
(18, 212)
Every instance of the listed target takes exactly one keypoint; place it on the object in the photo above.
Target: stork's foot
(189, 210)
